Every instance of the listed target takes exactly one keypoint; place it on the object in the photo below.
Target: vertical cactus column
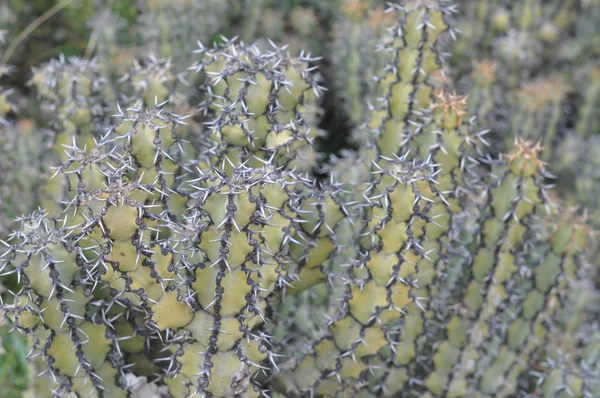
(552, 348)
(75, 91)
(331, 224)
(299, 26)
(503, 237)
(22, 160)
(170, 29)
(568, 369)
(74, 345)
(319, 212)
(406, 85)
(358, 31)
(482, 21)
(448, 141)
(232, 250)
(262, 107)
(105, 42)
(517, 54)
(481, 96)
(152, 81)
(306, 31)
(95, 268)
(378, 287)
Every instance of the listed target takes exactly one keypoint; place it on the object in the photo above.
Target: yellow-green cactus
(499, 257)
(75, 347)
(407, 83)
(112, 206)
(233, 248)
(78, 95)
(564, 363)
(482, 21)
(297, 26)
(482, 100)
(262, 105)
(210, 252)
(524, 36)
(359, 29)
(170, 29)
(378, 287)
(106, 27)
(153, 81)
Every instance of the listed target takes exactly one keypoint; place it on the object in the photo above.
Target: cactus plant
(194, 240)
(360, 27)
(261, 105)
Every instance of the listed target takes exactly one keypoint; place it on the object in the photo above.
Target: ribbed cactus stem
(252, 12)
(77, 93)
(153, 81)
(74, 343)
(406, 85)
(483, 21)
(358, 30)
(234, 244)
(195, 242)
(22, 160)
(513, 200)
(170, 29)
(262, 105)
(377, 289)
(353, 10)
(449, 143)
(554, 336)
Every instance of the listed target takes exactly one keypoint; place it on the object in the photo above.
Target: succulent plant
(260, 105)
(359, 29)
(194, 238)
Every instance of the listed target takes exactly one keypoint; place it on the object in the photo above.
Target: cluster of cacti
(531, 71)
(185, 232)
